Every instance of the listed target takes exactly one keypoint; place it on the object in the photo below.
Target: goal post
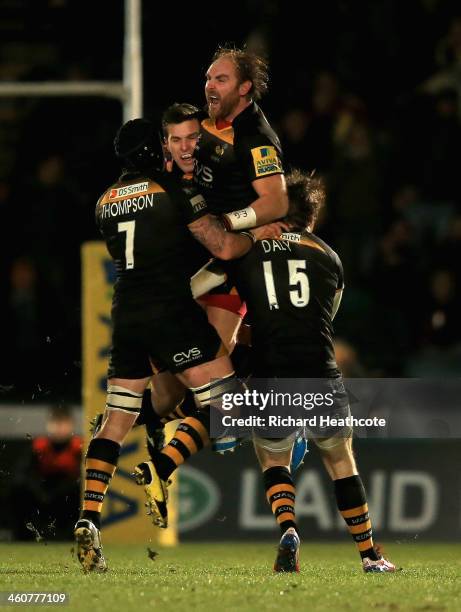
(129, 91)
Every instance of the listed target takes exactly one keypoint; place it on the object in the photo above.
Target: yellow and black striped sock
(281, 495)
(100, 464)
(352, 503)
(185, 408)
(192, 435)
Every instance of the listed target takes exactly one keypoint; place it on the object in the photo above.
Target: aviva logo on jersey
(266, 161)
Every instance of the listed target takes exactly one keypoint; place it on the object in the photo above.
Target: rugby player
(170, 401)
(239, 160)
(239, 157)
(167, 400)
(149, 224)
(293, 287)
(239, 167)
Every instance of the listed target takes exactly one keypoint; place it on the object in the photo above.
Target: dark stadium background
(366, 93)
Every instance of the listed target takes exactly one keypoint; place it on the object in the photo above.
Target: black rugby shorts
(146, 340)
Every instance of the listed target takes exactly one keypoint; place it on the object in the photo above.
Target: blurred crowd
(376, 113)
(44, 487)
(394, 215)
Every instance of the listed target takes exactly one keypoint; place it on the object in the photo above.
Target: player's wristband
(250, 235)
(240, 219)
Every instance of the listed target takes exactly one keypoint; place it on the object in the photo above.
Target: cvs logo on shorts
(186, 356)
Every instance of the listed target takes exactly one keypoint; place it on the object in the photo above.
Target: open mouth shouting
(213, 101)
(187, 158)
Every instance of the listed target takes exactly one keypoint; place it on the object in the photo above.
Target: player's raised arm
(272, 204)
(209, 230)
(239, 158)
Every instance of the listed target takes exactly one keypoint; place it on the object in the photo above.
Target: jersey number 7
(299, 289)
(128, 227)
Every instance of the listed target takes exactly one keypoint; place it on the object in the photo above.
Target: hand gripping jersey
(143, 220)
(289, 286)
(230, 159)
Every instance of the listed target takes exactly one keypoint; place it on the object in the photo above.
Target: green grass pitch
(237, 577)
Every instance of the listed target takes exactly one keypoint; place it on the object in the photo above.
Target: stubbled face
(181, 141)
(222, 89)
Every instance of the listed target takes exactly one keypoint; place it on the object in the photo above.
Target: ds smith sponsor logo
(128, 190)
(186, 356)
(290, 236)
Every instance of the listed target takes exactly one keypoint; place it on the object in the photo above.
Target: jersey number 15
(298, 283)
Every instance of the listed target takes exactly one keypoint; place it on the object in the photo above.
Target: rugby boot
(287, 559)
(380, 566)
(89, 549)
(156, 492)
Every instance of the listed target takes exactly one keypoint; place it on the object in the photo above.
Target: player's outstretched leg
(209, 382)
(100, 464)
(280, 494)
(190, 437)
(275, 456)
(122, 408)
(155, 425)
(352, 503)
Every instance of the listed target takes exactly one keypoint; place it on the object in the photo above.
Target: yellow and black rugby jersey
(289, 286)
(198, 254)
(230, 159)
(143, 220)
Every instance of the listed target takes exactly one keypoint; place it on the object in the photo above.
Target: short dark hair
(180, 112)
(250, 67)
(306, 196)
